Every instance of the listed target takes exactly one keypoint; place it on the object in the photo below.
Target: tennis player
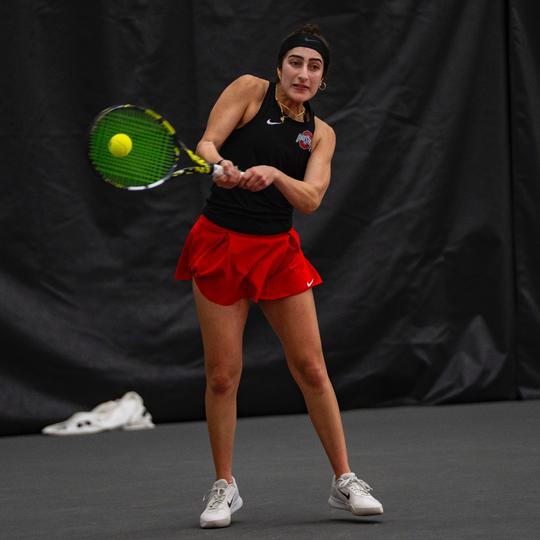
(243, 248)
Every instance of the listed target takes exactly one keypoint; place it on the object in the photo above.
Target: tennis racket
(136, 148)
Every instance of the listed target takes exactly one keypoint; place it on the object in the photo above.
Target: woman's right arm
(231, 110)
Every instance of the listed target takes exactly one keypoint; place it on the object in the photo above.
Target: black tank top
(264, 140)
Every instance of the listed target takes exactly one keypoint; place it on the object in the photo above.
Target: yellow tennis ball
(120, 145)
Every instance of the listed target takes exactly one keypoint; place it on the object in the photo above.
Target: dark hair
(295, 39)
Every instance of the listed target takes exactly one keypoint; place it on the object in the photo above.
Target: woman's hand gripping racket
(135, 148)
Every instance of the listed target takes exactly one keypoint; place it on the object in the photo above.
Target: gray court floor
(448, 472)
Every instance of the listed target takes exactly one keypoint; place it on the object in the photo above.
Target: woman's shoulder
(250, 84)
(250, 92)
(322, 129)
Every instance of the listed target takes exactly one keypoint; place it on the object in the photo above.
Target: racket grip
(217, 170)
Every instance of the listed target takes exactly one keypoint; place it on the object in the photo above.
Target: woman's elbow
(309, 207)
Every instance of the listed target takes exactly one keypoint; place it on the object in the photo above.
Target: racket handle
(217, 170)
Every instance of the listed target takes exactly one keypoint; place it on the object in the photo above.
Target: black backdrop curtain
(426, 240)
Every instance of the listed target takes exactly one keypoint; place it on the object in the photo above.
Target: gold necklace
(292, 113)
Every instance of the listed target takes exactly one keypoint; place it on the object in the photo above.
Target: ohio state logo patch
(304, 140)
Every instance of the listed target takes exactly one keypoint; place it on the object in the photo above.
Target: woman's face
(301, 73)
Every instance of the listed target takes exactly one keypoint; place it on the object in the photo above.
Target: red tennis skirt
(228, 265)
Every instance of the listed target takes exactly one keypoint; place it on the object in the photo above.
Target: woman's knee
(310, 372)
(222, 382)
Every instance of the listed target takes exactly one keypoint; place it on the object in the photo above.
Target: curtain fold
(426, 239)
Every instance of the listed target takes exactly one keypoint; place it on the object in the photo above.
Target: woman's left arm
(304, 195)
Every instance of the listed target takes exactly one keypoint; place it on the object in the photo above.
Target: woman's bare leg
(222, 330)
(294, 320)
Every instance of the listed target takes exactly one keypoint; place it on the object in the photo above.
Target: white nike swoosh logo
(270, 123)
(310, 283)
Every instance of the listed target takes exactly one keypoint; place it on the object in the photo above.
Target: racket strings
(153, 155)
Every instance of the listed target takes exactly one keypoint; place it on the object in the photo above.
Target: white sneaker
(223, 500)
(350, 493)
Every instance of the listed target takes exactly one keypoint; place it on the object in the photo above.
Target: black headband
(311, 41)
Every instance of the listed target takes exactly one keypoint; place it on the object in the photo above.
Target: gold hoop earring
(322, 86)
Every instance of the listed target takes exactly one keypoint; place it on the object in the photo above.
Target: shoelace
(216, 497)
(356, 485)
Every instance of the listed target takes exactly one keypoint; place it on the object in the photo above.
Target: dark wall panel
(524, 49)
(417, 239)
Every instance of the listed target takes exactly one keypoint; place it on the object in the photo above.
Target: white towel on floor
(126, 413)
